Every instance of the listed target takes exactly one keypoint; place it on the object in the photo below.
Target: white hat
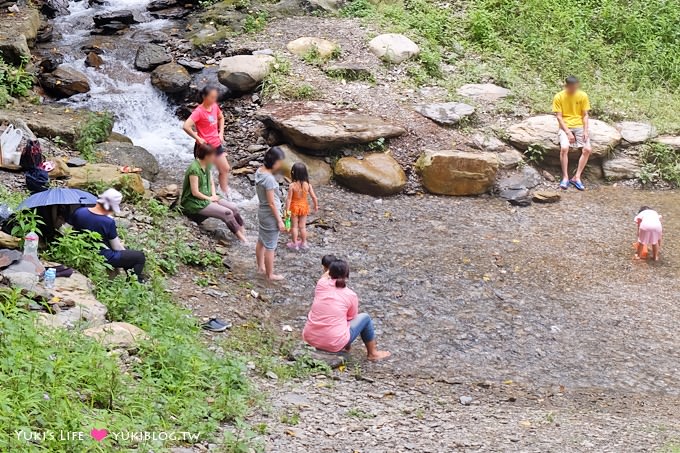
(111, 200)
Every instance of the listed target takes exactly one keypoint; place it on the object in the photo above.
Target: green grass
(626, 52)
(661, 164)
(57, 380)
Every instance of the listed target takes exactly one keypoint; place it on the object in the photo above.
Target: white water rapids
(142, 113)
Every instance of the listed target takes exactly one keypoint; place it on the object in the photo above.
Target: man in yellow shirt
(571, 107)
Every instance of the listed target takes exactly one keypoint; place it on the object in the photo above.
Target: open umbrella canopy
(59, 196)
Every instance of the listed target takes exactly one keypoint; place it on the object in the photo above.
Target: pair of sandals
(564, 184)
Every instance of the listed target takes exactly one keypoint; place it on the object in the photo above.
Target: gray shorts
(269, 238)
(578, 143)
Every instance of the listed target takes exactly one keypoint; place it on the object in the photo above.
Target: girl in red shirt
(206, 125)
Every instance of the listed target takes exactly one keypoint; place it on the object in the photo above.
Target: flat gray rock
(448, 113)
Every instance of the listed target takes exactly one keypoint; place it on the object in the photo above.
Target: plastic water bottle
(31, 245)
(50, 278)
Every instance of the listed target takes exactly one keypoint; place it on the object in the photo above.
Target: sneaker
(215, 325)
(304, 245)
(293, 246)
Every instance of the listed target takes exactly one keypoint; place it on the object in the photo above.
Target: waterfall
(142, 113)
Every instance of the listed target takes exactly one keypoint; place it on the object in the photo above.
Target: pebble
(465, 400)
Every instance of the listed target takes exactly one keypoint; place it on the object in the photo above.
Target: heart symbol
(98, 434)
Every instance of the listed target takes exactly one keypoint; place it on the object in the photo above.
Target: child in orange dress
(298, 205)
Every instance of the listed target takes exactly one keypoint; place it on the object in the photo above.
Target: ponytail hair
(339, 271)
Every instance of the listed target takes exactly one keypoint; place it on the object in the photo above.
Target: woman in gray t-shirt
(269, 212)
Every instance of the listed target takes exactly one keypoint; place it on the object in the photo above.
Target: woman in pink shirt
(333, 322)
(206, 125)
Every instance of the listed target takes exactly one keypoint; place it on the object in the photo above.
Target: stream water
(470, 288)
(459, 287)
(142, 112)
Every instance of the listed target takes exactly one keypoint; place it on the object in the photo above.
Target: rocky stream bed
(512, 329)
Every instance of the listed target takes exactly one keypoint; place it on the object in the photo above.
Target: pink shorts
(578, 143)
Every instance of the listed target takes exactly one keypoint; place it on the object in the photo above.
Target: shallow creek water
(463, 288)
(470, 288)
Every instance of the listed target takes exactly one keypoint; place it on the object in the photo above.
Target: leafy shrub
(14, 81)
(95, 130)
(661, 164)
(255, 23)
(26, 221)
(80, 250)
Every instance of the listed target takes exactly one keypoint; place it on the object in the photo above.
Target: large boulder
(306, 45)
(64, 82)
(393, 48)
(149, 56)
(672, 141)
(54, 8)
(376, 174)
(123, 17)
(243, 73)
(109, 175)
(171, 78)
(127, 154)
(453, 172)
(117, 335)
(320, 172)
(542, 131)
(206, 77)
(18, 32)
(448, 113)
(14, 49)
(634, 133)
(330, 6)
(320, 127)
(487, 92)
(48, 121)
(620, 168)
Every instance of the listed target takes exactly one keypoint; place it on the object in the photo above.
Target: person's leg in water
(302, 222)
(293, 244)
(130, 259)
(228, 213)
(223, 167)
(362, 325)
(259, 255)
(269, 265)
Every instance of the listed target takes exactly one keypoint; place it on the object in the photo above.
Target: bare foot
(379, 355)
(261, 271)
(275, 278)
(637, 258)
(656, 258)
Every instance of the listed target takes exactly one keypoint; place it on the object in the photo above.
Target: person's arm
(557, 110)
(353, 307)
(220, 118)
(116, 244)
(271, 200)
(189, 128)
(214, 196)
(585, 115)
(193, 183)
(289, 197)
(315, 200)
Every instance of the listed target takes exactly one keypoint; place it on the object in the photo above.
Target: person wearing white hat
(98, 219)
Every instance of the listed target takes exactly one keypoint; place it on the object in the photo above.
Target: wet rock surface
(65, 82)
(127, 154)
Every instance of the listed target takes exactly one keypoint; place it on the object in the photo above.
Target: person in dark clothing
(98, 219)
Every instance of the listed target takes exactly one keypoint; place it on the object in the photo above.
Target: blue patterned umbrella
(59, 196)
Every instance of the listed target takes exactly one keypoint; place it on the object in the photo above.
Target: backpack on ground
(37, 180)
(32, 156)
